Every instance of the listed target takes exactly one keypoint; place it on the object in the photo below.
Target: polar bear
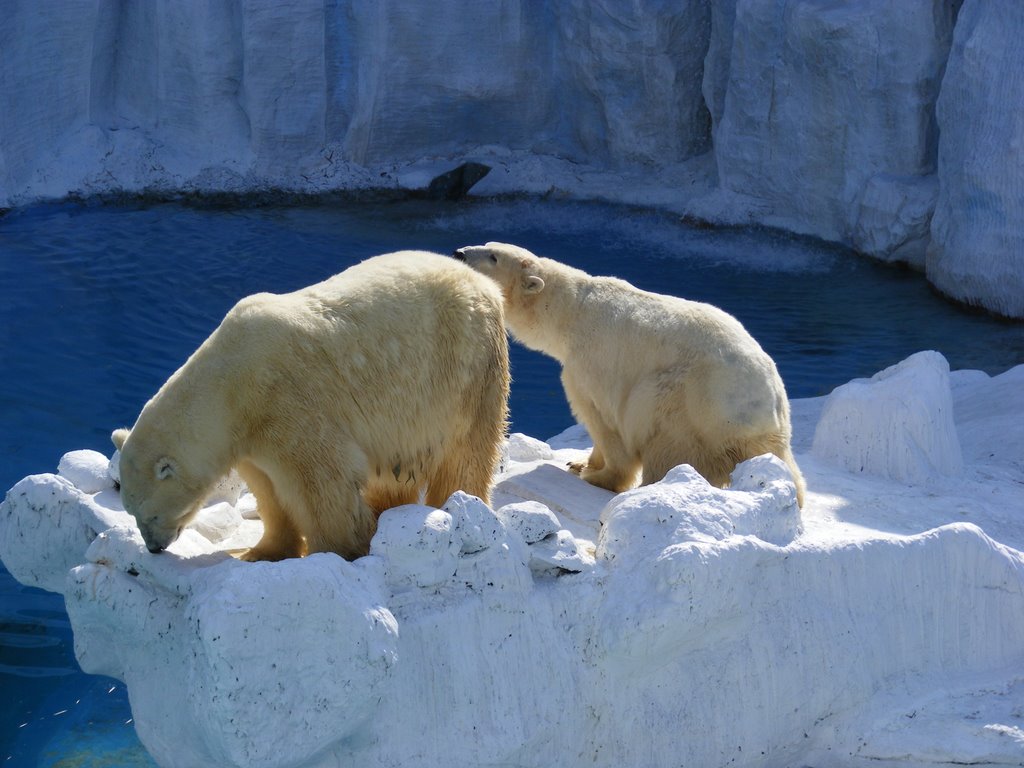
(656, 380)
(334, 403)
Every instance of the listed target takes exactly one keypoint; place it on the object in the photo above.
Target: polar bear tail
(798, 477)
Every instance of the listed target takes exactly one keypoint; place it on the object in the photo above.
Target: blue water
(98, 305)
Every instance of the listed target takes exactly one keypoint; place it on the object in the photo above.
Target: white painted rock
(684, 507)
(217, 522)
(525, 448)
(431, 652)
(575, 437)
(898, 424)
(89, 471)
(474, 523)
(46, 524)
(559, 553)
(893, 218)
(419, 545)
(269, 664)
(530, 519)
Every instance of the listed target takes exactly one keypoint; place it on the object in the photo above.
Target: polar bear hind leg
(470, 460)
(381, 497)
(462, 470)
(341, 520)
(665, 451)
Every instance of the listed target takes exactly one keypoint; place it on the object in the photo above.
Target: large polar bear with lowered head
(334, 403)
(656, 380)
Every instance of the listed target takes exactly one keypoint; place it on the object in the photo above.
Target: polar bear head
(156, 488)
(536, 292)
(515, 270)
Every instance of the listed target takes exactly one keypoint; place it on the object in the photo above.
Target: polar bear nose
(459, 254)
(155, 548)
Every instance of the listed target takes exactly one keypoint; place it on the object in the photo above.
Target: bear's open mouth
(459, 254)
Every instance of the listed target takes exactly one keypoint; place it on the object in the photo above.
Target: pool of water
(100, 304)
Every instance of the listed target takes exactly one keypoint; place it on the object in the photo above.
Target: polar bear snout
(154, 544)
(476, 255)
(157, 538)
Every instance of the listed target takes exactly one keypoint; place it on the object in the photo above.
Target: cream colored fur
(334, 403)
(657, 380)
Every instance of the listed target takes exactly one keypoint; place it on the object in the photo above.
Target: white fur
(334, 403)
(657, 380)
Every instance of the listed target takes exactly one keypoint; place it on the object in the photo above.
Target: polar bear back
(625, 342)
(378, 339)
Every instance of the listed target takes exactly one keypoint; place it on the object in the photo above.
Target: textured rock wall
(122, 95)
(977, 250)
(838, 120)
(828, 108)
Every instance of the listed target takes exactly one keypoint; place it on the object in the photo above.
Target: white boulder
(232, 663)
(46, 524)
(558, 553)
(898, 424)
(532, 520)
(420, 544)
(552, 549)
(893, 218)
(522, 447)
(217, 522)
(88, 471)
(635, 522)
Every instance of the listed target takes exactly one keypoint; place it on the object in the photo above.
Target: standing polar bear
(334, 403)
(657, 380)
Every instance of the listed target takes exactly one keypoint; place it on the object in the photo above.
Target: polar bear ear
(117, 437)
(165, 468)
(533, 284)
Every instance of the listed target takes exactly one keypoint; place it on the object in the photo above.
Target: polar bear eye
(494, 259)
